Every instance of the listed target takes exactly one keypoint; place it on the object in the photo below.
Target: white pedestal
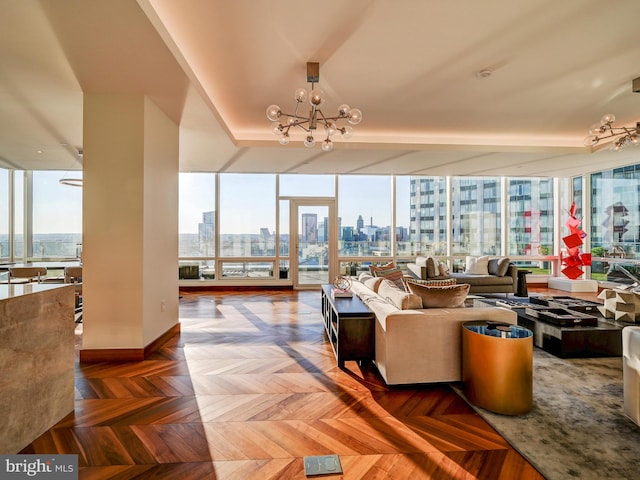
(569, 285)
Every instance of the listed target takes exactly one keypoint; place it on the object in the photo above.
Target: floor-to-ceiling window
(364, 212)
(5, 208)
(236, 226)
(247, 216)
(57, 217)
(426, 209)
(40, 218)
(530, 204)
(196, 226)
(615, 223)
(475, 216)
(18, 216)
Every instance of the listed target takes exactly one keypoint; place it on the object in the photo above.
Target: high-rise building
(309, 227)
(476, 215)
(206, 233)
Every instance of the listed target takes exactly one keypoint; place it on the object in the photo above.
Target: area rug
(576, 428)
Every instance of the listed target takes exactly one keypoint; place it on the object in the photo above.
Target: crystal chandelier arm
(331, 118)
(296, 123)
(605, 130)
(615, 131)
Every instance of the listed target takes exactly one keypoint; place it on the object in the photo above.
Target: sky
(58, 208)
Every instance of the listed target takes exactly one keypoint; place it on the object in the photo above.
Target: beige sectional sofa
(501, 275)
(420, 345)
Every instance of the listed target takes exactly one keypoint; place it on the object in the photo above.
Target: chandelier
(605, 129)
(283, 122)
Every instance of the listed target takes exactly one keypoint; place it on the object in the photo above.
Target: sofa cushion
(498, 266)
(484, 280)
(477, 265)
(398, 297)
(451, 296)
(393, 274)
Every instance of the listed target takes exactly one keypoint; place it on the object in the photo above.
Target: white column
(130, 222)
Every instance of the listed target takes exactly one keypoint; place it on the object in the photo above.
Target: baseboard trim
(162, 339)
(231, 288)
(97, 355)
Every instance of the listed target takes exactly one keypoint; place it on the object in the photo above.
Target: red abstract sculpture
(574, 259)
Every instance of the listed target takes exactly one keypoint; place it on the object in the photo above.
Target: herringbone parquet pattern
(249, 388)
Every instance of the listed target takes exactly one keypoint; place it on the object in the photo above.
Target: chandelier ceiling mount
(283, 122)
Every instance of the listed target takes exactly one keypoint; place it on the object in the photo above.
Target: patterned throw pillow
(451, 296)
(433, 283)
(389, 266)
(393, 274)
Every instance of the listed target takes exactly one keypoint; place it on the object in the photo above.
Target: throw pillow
(372, 283)
(451, 296)
(432, 267)
(394, 274)
(434, 283)
(364, 276)
(443, 269)
(421, 261)
(498, 266)
(397, 297)
(389, 266)
(477, 265)
(430, 263)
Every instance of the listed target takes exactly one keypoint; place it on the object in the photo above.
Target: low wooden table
(350, 327)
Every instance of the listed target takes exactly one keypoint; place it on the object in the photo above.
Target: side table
(522, 291)
(497, 366)
(349, 325)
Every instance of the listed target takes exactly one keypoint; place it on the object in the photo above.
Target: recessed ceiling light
(39, 151)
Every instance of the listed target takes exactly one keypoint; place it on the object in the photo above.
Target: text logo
(52, 467)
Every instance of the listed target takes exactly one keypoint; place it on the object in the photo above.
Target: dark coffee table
(601, 340)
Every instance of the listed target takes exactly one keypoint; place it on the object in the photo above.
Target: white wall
(160, 236)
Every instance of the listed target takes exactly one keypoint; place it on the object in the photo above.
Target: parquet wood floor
(250, 387)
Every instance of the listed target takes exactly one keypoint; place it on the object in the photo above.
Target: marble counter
(17, 290)
(37, 361)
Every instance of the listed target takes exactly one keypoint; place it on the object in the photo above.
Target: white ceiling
(214, 66)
